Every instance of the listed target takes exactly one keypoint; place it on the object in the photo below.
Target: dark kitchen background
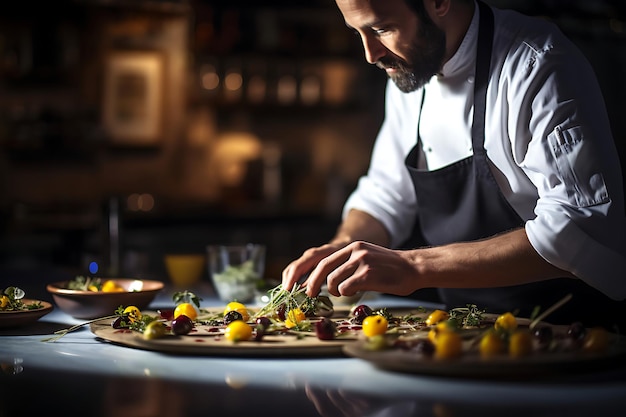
(131, 129)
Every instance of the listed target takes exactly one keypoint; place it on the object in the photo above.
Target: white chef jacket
(547, 136)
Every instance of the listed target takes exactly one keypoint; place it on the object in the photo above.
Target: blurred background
(134, 128)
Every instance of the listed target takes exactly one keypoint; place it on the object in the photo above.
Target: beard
(424, 62)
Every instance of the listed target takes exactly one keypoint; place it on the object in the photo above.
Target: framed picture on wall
(133, 94)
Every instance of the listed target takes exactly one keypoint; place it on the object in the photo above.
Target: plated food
(16, 310)
(462, 341)
(93, 297)
(285, 327)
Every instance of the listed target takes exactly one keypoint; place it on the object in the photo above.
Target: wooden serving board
(203, 342)
(209, 340)
(471, 364)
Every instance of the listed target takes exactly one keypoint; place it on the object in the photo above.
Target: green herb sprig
(137, 324)
(60, 333)
(186, 297)
(294, 298)
(469, 316)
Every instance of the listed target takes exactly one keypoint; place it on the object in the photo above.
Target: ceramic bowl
(91, 304)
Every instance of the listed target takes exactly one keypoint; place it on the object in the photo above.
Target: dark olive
(360, 312)
(166, 313)
(576, 331)
(119, 323)
(325, 329)
(232, 316)
(263, 322)
(182, 325)
(543, 336)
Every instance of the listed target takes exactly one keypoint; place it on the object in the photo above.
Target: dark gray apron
(462, 202)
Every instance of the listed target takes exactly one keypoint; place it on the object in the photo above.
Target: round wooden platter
(471, 364)
(202, 341)
(209, 340)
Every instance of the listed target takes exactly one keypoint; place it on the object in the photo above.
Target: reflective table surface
(81, 375)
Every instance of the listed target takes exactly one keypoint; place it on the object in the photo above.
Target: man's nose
(374, 49)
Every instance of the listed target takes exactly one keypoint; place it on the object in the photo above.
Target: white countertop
(80, 375)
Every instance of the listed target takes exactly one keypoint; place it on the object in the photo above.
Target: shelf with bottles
(257, 82)
(287, 55)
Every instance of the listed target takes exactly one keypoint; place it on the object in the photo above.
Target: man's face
(409, 48)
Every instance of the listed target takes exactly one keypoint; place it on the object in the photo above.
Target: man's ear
(438, 8)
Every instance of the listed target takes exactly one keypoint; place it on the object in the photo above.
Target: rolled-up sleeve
(579, 222)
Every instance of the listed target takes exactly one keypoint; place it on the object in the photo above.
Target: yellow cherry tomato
(596, 340)
(441, 327)
(374, 325)
(506, 322)
(92, 288)
(133, 313)
(520, 343)
(154, 330)
(491, 344)
(238, 331)
(4, 301)
(112, 286)
(448, 345)
(186, 309)
(294, 317)
(238, 307)
(437, 316)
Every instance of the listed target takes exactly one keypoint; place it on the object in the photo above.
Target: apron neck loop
(483, 62)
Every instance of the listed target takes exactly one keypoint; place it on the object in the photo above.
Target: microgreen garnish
(469, 316)
(384, 312)
(291, 299)
(82, 283)
(186, 297)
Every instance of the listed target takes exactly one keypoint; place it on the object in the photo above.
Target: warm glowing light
(233, 81)
(287, 89)
(146, 202)
(140, 202)
(232, 154)
(132, 202)
(210, 81)
(310, 90)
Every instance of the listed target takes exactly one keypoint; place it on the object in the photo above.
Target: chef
(494, 177)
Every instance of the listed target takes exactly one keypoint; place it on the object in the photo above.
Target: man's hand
(362, 266)
(357, 225)
(299, 268)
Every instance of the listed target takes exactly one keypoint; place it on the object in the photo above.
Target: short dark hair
(417, 6)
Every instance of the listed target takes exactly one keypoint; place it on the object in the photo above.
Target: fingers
(297, 269)
(333, 270)
(341, 267)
